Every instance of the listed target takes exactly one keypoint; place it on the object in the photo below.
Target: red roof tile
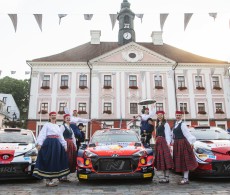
(89, 51)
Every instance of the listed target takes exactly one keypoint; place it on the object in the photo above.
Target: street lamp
(14, 117)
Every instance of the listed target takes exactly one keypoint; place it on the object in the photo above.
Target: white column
(72, 103)
(226, 88)
(118, 93)
(123, 94)
(191, 94)
(33, 109)
(148, 85)
(54, 86)
(96, 93)
(209, 95)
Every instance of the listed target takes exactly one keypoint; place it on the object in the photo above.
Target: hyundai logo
(5, 157)
(115, 155)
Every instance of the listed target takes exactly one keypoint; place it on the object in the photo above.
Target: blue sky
(203, 35)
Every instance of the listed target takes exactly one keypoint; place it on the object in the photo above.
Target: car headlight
(32, 153)
(140, 153)
(90, 154)
(203, 151)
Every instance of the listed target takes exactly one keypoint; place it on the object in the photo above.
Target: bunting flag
(27, 72)
(88, 16)
(38, 18)
(113, 18)
(212, 71)
(14, 19)
(198, 72)
(61, 16)
(163, 18)
(140, 16)
(12, 72)
(0, 72)
(187, 17)
(213, 15)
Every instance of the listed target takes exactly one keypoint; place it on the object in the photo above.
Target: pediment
(132, 53)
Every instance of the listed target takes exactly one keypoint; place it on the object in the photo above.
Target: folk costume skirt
(71, 152)
(163, 159)
(183, 156)
(52, 160)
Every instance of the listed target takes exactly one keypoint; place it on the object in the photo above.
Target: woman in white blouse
(183, 156)
(69, 137)
(52, 160)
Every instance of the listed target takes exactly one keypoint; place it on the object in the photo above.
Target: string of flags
(14, 72)
(113, 18)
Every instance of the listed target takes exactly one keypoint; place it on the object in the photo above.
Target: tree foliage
(19, 90)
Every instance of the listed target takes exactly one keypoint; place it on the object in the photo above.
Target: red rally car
(115, 154)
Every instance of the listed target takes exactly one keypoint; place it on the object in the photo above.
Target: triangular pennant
(113, 18)
(27, 72)
(213, 15)
(61, 16)
(212, 71)
(12, 72)
(140, 16)
(0, 72)
(38, 18)
(14, 19)
(88, 16)
(163, 18)
(187, 17)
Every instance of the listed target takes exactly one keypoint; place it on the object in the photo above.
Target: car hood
(15, 148)
(219, 146)
(119, 148)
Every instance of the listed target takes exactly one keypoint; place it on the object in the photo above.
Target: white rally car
(17, 153)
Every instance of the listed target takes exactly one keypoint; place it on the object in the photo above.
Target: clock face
(127, 35)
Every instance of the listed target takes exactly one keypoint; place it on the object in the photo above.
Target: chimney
(157, 37)
(95, 36)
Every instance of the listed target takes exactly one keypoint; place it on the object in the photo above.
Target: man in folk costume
(74, 120)
(146, 131)
(163, 159)
(145, 116)
(183, 156)
(69, 137)
(52, 160)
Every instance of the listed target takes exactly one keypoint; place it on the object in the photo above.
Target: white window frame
(68, 84)
(129, 80)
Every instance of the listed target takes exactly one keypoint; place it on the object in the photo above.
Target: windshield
(211, 134)
(16, 137)
(114, 138)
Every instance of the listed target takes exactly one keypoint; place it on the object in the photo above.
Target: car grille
(221, 167)
(115, 165)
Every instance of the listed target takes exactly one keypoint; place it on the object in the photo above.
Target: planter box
(45, 87)
(182, 88)
(82, 87)
(61, 112)
(200, 88)
(217, 88)
(82, 112)
(219, 112)
(158, 87)
(202, 112)
(133, 87)
(43, 112)
(107, 87)
(64, 87)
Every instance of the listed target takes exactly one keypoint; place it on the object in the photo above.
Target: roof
(88, 51)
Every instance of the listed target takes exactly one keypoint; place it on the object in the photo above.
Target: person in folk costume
(183, 156)
(145, 116)
(82, 138)
(74, 120)
(146, 132)
(52, 160)
(71, 145)
(163, 159)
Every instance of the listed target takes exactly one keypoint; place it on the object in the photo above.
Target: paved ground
(121, 187)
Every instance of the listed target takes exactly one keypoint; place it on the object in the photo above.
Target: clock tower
(126, 28)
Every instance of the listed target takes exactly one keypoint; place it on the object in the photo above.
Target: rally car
(17, 153)
(212, 151)
(115, 154)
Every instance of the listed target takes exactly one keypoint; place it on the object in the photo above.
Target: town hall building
(105, 81)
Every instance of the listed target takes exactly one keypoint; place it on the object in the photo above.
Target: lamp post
(14, 117)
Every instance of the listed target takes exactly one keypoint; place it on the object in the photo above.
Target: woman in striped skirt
(163, 159)
(69, 137)
(52, 159)
(183, 156)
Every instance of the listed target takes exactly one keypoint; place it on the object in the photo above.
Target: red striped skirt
(71, 152)
(163, 159)
(183, 156)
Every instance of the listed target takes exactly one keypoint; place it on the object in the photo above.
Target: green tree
(19, 90)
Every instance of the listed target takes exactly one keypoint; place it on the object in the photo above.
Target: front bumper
(84, 174)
